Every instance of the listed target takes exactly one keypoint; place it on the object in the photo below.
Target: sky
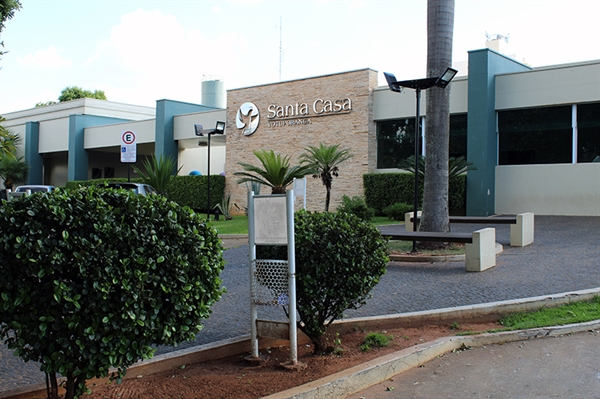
(138, 52)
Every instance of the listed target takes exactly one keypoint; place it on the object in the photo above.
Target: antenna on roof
(280, 45)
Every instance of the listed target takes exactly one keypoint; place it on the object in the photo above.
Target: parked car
(34, 189)
(138, 188)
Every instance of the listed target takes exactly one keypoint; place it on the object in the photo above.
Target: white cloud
(150, 55)
(48, 58)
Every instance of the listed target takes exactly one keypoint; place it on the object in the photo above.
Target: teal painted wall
(482, 141)
(78, 155)
(166, 110)
(32, 154)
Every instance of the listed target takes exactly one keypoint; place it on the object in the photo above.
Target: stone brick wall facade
(331, 109)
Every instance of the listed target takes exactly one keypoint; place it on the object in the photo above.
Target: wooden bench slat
(431, 236)
(480, 219)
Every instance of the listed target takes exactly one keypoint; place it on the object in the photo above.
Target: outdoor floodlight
(419, 84)
(446, 77)
(392, 82)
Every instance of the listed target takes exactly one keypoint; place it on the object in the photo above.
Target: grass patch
(576, 312)
(375, 340)
(383, 221)
(237, 225)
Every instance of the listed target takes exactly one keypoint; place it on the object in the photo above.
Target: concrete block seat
(480, 249)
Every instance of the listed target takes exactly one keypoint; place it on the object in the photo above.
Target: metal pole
(291, 276)
(416, 196)
(208, 184)
(252, 264)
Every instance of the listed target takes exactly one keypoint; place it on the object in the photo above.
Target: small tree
(339, 259)
(160, 172)
(325, 160)
(93, 279)
(275, 173)
(13, 169)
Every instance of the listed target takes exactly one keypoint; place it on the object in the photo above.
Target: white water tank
(213, 92)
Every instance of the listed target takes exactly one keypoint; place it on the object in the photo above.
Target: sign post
(272, 282)
(128, 150)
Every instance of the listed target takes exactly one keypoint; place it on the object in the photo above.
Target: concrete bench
(521, 225)
(480, 248)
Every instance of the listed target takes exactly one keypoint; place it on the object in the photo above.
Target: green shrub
(185, 190)
(397, 211)
(356, 206)
(385, 189)
(375, 340)
(339, 259)
(93, 279)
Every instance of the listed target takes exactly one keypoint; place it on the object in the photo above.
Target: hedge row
(385, 189)
(185, 190)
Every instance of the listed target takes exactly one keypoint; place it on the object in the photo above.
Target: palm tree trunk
(440, 27)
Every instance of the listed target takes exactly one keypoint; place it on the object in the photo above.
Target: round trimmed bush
(95, 278)
(339, 259)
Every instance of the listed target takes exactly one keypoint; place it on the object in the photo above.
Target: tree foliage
(276, 171)
(13, 169)
(325, 160)
(456, 166)
(73, 93)
(339, 259)
(93, 279)
(7, 11)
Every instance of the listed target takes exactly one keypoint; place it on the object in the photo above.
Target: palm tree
(275, 173)
(440, 30)
(325, 160)
(13, 170)
(456, 166)
(160, 172)
(8, 140)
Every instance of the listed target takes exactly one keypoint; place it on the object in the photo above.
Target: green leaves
(276, 171)
(339, 259)
(92, 279)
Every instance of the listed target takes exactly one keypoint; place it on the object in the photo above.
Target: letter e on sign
(128, 147)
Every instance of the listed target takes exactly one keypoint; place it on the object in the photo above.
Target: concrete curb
(464, 314)
(360, 377)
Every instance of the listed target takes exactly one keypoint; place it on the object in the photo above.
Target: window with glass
(458, 136)
(588, 132)
(535, 136)
(396, 140)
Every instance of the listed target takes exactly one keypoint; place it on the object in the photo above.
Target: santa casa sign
(319, 107)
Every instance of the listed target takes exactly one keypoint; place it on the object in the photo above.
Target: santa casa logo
(247, 118)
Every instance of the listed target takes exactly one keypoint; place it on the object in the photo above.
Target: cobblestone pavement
(564, 257)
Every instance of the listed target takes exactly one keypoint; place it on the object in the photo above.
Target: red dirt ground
(234, 377)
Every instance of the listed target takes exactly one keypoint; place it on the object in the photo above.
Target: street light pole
(417, 153)
(219, 129)
(419, 84)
